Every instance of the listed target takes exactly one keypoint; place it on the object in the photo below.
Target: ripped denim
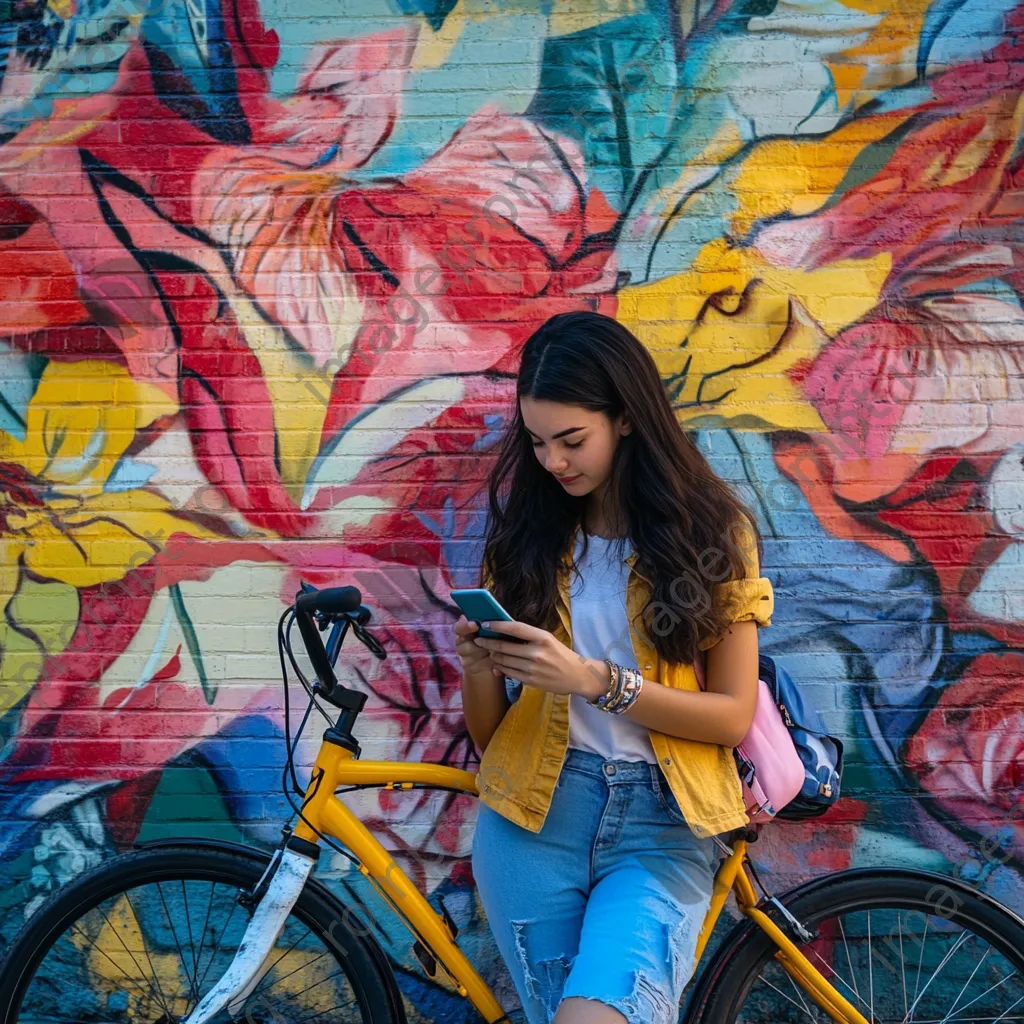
(606, 902)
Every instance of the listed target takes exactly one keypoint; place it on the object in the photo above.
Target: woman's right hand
(476, 662)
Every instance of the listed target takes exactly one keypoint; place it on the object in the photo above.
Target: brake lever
(369, 641)
(361, 616)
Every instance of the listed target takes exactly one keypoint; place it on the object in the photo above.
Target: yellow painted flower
(732, 334)
(61, 529)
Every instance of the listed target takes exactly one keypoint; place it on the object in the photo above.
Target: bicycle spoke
(871, 975)
(972, 972)
(224, 931)
(926, 982)
(846, 946)
(966, 985)
(788, 998)
(903, 963)
(104, 953)
(284, 977)
(202, 938)
(90, 970)
(1007, 1010)
(174, 935)
(270, 969)
(316, 984)
(144, 995)
(145, 949)
(123, 973)
(796, 989)
(992, 988)
(836, 977)
(942, 963)
(317, 1013)
(192, 992)
(917, 980)
(142, 973)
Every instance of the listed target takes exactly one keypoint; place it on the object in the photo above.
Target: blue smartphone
(482, 606)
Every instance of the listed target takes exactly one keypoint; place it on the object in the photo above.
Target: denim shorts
(607, 901)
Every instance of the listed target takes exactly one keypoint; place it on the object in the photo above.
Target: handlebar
(343, 605)
(332, 601)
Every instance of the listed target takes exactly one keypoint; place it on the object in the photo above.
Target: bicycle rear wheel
(903, 947)
(142, 938)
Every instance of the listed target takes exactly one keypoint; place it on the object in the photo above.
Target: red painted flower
(968, 753)
(398, 289)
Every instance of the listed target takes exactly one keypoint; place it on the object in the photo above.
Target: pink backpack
(770, 768)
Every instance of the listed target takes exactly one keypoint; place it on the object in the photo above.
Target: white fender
(251, 960)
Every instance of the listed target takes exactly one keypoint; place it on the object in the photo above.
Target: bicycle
(109, 946)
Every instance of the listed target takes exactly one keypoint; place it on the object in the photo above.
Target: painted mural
(265, 271)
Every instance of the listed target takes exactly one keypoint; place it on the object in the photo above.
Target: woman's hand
(476, 662)
(543, 661)
(484, 700)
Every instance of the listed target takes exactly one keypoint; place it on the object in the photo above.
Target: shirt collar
(568, 559)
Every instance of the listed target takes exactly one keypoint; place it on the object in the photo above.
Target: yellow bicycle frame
(323, 813)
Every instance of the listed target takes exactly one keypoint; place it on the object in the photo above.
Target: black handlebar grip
(332, 601)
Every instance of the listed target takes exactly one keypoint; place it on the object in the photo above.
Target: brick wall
(265, 269)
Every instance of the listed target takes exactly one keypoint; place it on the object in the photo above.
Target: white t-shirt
(600, 629)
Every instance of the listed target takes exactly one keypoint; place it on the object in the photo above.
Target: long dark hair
(686, 526)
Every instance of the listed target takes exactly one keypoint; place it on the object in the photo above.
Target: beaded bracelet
(623, 690)
(612, 692)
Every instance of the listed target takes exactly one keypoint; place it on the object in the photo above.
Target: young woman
(606, 768)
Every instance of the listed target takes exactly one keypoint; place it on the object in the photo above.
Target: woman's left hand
(544, 662)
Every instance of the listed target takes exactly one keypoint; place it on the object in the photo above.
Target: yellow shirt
(523, 760)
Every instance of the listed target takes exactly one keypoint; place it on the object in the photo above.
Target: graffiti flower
(65, 524)
(938, 363)
(934, 368)
(389, 287)
(969, 751)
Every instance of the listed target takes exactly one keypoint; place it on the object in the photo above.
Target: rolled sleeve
(746, 600)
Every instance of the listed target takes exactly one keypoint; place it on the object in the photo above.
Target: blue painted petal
(961, 32)
(128, 475)
(935, 20)
(193, 68)
(246, 759)
(19, 378)
(435, 11)
(612, 89)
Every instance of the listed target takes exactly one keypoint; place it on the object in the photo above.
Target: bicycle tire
(357, 955)
(748, 952)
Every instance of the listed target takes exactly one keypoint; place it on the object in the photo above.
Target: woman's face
(574, 445)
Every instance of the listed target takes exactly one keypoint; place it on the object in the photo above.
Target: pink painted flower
(922, 375)
(939, 363)
(397, 289)
(968, 753)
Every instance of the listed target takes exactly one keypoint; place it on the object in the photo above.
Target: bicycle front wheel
(902, 947)
(144, 937)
